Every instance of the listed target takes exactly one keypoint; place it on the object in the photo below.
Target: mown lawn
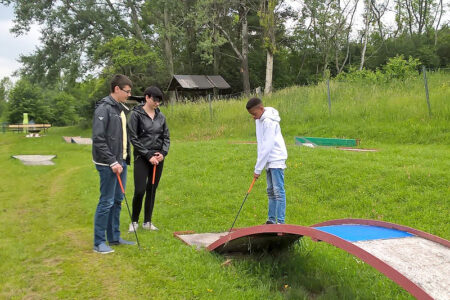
(46, 212)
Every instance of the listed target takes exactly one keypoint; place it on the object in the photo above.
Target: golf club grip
(154, 174)
(251, 185)
(120, 183)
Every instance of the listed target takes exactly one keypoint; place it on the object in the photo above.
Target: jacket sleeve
(132, 129)
(266, 145)
(166, 139)
(99, 126)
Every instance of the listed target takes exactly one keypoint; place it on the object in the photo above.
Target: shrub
(396, 68)
(399, 68)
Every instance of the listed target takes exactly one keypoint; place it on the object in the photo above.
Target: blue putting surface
(355, 233)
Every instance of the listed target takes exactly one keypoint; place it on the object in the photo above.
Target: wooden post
(329, 97)
(426, 89)
(210, 106)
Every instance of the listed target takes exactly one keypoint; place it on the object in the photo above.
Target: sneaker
(149, 226)
(133, 226)
(103, 249)
(121, 241)
(269, 222)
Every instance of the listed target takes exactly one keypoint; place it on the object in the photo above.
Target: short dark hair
(154, 92)
(121, 81)
(253, 102)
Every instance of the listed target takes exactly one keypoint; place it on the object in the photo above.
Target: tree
(268, 22)
(367, 16)
(27, 98)
(63, 109)
(5, 86)
(134, 58)
(72, 33)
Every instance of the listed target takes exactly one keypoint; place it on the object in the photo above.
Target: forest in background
(251, 43)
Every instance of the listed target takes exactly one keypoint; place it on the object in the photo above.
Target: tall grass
(392, 113)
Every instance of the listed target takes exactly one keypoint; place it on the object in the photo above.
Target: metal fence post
(424, 70)
(329, 97)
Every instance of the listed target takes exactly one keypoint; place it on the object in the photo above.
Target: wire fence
(259, 92)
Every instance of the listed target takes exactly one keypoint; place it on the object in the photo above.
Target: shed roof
(198, 82)
(218, 81)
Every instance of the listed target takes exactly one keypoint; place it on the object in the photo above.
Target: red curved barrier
(292, 231)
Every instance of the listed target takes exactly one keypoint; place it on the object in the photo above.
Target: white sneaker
(133, 226)
(149, 226)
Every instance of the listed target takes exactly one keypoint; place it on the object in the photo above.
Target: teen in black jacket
(110, 153)
(149, 134)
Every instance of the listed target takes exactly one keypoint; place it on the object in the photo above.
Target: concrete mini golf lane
(417, 261)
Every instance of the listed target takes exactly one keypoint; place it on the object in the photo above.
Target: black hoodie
(148, 136)
(107, 136)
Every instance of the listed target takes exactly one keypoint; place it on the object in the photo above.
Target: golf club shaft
(152, 196)
(248, 192)
(128, 208)
(154, 174)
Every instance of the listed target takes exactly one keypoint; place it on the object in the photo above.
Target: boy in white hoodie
(272, 155)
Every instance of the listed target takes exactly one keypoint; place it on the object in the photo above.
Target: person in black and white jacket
(149, 134)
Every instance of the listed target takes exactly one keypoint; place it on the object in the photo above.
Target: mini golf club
(128, 208)
(245, 198)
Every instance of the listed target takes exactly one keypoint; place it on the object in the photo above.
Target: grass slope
(46, 215)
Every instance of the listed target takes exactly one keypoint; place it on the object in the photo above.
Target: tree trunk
(269, 73)
(244, 37)
(168, 40)
(267, 15)
(135, 22)
(366, 34)
(190, 39)
(439, 21)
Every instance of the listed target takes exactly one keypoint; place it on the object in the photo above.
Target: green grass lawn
(47, 212)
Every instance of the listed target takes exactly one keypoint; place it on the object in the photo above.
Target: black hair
(154, 92)
(253, 102)
(121, 81)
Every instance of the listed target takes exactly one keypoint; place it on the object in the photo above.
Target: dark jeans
(143, 173)
(107, 215)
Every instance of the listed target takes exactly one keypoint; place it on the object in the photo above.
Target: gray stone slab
(34, 160)
(68, 139)
(82, 141)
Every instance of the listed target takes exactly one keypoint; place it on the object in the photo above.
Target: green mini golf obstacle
(317, 141)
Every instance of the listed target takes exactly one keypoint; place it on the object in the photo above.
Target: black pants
(143, 173)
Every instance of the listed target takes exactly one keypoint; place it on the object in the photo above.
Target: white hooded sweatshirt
(272, 151)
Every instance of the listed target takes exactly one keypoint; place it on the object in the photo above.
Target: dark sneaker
(269, 222)
(121, 242)
(103, 249)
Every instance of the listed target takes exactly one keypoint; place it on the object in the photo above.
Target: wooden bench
(32, 128)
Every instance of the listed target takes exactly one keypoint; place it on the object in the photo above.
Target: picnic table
(31, 128)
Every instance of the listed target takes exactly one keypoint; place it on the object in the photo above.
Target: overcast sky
(11, 47)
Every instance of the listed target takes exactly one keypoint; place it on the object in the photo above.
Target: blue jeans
(107, 215)
(277, 195)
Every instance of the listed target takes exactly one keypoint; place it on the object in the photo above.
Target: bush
(355, 75)
(396, 68)
(399, 68)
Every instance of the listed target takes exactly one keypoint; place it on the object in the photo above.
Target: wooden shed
(195, 86)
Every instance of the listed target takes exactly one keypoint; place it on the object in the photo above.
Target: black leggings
(143, 173)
